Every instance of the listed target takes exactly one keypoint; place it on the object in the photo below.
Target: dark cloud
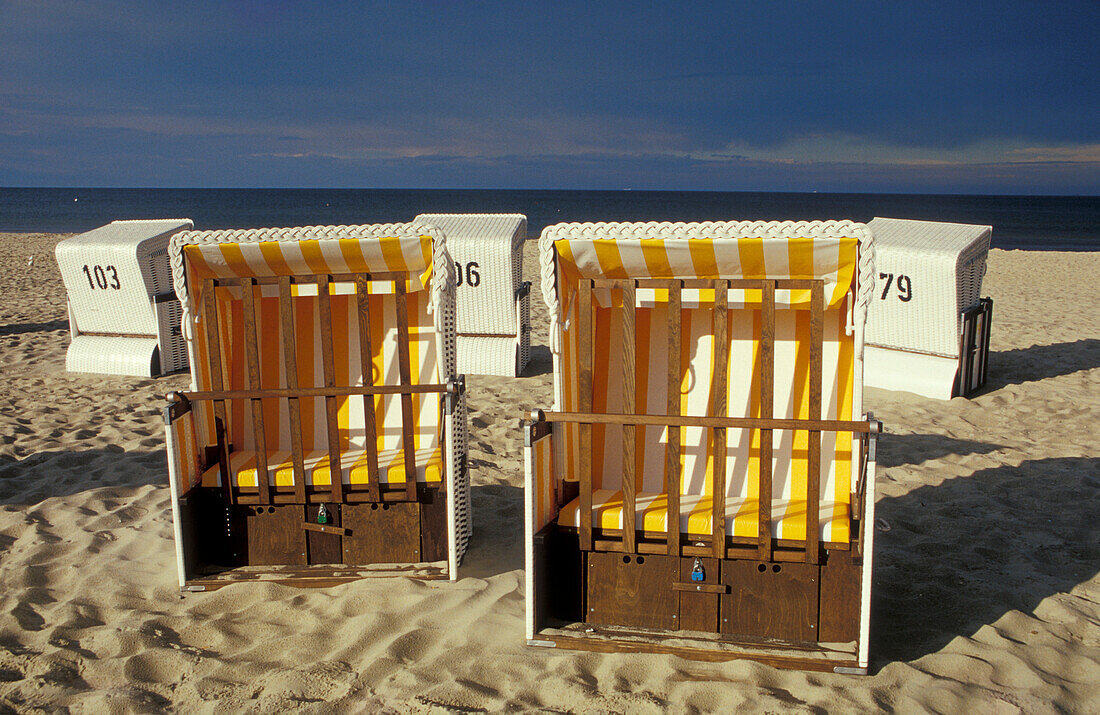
(563, 94)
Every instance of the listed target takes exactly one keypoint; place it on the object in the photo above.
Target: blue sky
(777, 96)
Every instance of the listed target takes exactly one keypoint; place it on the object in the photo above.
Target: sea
(1019, 222)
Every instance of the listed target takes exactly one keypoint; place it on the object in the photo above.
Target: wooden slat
(252, 358)
(672, 451)
(328, 367)
(335, 391)
(290, 362)
(213, 343)
(629, 431)
(584, 386)
(366, 358)
(767, 377)
(813, 472)
(861, 426)
(718, 409)
(405, 370)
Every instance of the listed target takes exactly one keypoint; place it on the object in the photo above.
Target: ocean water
(1024, 222)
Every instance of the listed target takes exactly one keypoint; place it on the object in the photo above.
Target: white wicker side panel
(112, 355)
(487, 356)
(927, 274)
(488, 254)
(173, 348)
(464, 528)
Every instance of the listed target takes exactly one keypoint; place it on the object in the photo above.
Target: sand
(987, 596)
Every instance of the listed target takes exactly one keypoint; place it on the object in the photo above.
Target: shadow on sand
(19, 328)
(895, 450)
(961, 554)
(1039, 362)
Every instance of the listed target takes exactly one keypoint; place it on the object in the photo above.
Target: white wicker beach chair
(705, 483)
(324, 435)
(929, 280)
(123, 313)
(493, 305)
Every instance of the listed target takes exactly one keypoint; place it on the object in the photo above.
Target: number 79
(905, 286)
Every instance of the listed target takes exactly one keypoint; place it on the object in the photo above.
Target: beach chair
(324, 435)
(928, 326)
(493, 303)
(123, 315)
(695, 360)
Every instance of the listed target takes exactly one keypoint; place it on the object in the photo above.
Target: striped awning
(832, 251)
(832, 260)
(405, 255)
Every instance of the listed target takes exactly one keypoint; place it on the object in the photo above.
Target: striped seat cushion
(353, 467)
(788, 516)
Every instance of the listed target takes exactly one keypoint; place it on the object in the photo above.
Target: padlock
(322, 515)
(697, 573)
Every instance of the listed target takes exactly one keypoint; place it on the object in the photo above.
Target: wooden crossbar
(770, 423)
(337, 391)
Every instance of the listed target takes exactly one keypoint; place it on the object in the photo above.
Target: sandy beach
(987, 592)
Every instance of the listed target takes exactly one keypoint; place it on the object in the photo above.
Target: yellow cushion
(353, 467)
(788, 516)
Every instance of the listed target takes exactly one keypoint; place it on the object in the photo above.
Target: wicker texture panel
(488, 253)
(112, 355)
(941, 266)
(112, 275)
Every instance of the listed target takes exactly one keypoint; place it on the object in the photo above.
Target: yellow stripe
(751, 253)
(611, 262)
(272, 252)
(341, 315)
(794, 522)
(314, 258)
(703, 258)
(352, 251)
(414, 361)
(845, 377)
(656, 258)
(270, 338)
(306, 347)
(379, 319)
(642, 320)
(393, 255)
(234, 259)
(601, 359)
(800, 262)
(200, 269)
(746, 519)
